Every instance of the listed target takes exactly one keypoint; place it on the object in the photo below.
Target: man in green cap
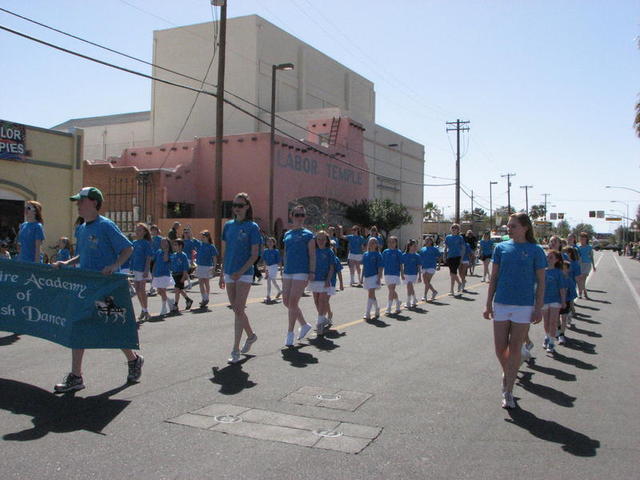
(102, 247)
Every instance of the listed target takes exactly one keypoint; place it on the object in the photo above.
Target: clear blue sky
(549, 86)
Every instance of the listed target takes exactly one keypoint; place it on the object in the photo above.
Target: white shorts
(512, 313)
(585, 268)
(410, 279)
(552, 305)
(126, 271)
(162, 282)
(273, 271)
(317, 287)
(243, 278)
(295, 276)
(204, 271)
(392, 279)
(139, 276)
(371, 282)
(331, 291)
(355, 256)
(465, 262)
(430, 271)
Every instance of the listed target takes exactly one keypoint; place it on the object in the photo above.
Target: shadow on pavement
(573, 361)
(376, 322)
(399, 317)
(559, 374)
(296, 358)
(572, 442)
(9, 339)
(596, 291)
(548, 393)
(581, 345)
(440, 304)
(588, 333)
(585, 306)
(232, 379)
(58, 414)
(607, 302)
(331, 333)
(321, 342)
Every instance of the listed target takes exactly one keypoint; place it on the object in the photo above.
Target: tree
(388, 216)
(502, 214)
(563, 228)
(359, 213)
(584, 227)
(431, 212)
(537, 211)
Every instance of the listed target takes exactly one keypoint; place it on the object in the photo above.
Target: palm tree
(431, 212)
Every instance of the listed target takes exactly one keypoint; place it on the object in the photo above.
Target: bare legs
(354, 265)
(508, 338)
(238, 293)
(292, 290)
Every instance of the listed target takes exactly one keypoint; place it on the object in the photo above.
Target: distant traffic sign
(613, 219)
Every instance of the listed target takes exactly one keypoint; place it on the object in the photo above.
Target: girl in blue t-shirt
(515, 298)
(429, 256)
(565, 311)
(355, 243)
(321, 283)
(554, 298)
(299, 269)
(64, 249)
(189, 248)
(335, 278)
(373, 233)
(586, 263)
(272, 262)
(574, 273)
(207, 255)
(371, 276)
(392, 263)
(180, 273)
(161, 274)
(486, 250)
(411, 271)
(453, 251)
(140, 265)
(31, 233)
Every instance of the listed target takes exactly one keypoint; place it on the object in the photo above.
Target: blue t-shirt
(161, 268)
(486, 247)
(155, 242)
(429, 257)
(411, 261)
(63, 254)
(179, 262)
(553, 283)
(455, 245)
(338, 268)
(467, 252)
(190, 244)
(570, 285)
(576, 270)
(206, 251)
(296, 245)
(271, 256)
(391, 261)
(239, 238)
(141, 251)
(371, 262)
(27, 236)
(355, 243)
(519, 263)
(585, 253)
(325, 258)
(99, 243)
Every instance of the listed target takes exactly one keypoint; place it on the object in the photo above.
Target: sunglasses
(298, 215)
(239, 205)
(30, 208)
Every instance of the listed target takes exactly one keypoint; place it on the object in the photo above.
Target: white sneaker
(304, 330)
(525, 355)
(164, 310)
(248, 343)
(234, 357)
(322, 326)
(387, 311)
(508, 401)
(289, 341)
(398, 309)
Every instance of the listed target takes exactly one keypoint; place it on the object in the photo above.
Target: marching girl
(586, 262)
(321, 283)
(241, 238)
(565, 311)
(140, 265)
(64, 249)
(155, 246)
(371, 276)
(272, 261)
(180, 273)
(486, 250)
(206, 255)
(472, 241)
(373, 233)
(411, 271)
(31, 233)
(554, 298)
(429, 255)
(299, 268)
(355, 243)
(464, 265)
(162, 275)
(515, 297)
(454, 246)
(392, 264)
(190, 245)
(337, 276)
(574, 272)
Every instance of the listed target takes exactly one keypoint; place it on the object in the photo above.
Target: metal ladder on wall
(333, 133)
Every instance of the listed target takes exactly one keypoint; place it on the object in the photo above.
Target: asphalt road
(432, 381)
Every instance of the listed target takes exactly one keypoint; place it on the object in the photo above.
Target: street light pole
(491, 184)
(626, 220)
(272, 149)
(624, 188)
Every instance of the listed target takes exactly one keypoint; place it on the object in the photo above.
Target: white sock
(375, 305)
(145, 310)
(389, 305)
(269, 288)
(369, 304)
(352, 278)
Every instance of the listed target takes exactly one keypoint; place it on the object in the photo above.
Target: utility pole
(508, 175)
(491, 184)
(458, 128)
(545, 195)
(217, 203)
(471, 209)
(526, 196)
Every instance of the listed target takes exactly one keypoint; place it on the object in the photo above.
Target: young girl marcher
(371, 277)
(31, 233)
(429, 256)
(586, 263)
(515, 298)
(392, 264)
(140, 265)
(486, 250)
(554, 298)
(65, 251)
(162, 279)
(207, 254)
(299, 269)
(454, 246)
(241, 238)
(180, 273)
(355, 243)
(321, 283)
(272, 261)
(411, 271)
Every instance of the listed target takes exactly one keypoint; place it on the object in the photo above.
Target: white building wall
(104, 141)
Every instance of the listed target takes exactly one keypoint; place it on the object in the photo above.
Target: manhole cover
(227, 419)
(327, 433)
(328, 397)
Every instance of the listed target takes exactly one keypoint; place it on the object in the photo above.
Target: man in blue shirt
(101, 247)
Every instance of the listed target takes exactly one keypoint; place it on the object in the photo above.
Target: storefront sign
(12, 141)
(310, 166)
(75, 308)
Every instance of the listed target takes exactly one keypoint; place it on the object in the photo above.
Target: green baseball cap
(92, 193)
